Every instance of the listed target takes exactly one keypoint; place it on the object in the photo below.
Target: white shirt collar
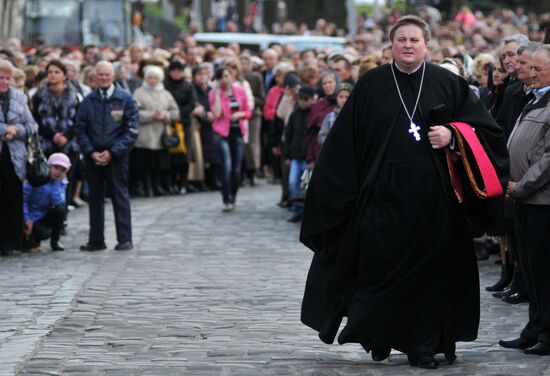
(110, 91)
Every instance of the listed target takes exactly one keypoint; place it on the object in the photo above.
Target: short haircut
(104, 63)
(197, 69)
(153, 70)
(544, 48)
(517, 38)
(6, 66)
(412, 20)
(57, 64)
(530, 47)
(282, 68)
(340, 58)
(219, 72)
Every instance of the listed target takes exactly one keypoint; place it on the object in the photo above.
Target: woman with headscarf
(329, 80)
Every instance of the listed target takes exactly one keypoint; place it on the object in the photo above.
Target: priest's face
(409, 46)
(540, 69)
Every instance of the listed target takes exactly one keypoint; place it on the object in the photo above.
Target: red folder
(477, 166)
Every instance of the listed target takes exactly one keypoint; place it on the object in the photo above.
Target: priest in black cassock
(392, 247)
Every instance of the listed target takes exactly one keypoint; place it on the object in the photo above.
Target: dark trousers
(11, 204)
(285, 175)
(114, 176)
(50, 225)
(231, 150)
(533, 250)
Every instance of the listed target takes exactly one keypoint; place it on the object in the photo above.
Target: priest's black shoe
(423, 361)
(379, 354)
(91, 247)
(541, 348)
(516, 298)
(518, 343)
(504, 293)
(57, 246)
(126, 246)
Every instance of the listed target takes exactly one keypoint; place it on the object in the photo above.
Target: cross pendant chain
(413, 127)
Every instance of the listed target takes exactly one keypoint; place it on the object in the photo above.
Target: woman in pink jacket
(230, 108)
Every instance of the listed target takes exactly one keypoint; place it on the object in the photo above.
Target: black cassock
(392, 246)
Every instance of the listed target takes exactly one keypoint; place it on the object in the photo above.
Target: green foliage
(154, 10)
(182, 21)
(368, 8)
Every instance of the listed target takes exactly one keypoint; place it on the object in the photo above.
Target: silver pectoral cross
(414, 130)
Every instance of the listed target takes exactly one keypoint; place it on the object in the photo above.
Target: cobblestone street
(202, 293)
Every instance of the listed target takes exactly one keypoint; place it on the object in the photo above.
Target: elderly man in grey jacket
(529, 146)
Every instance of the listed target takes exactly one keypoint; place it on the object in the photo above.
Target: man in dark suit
(107, 127)
(271, 58)
(518, 93)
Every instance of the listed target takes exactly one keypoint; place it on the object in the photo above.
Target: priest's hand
(511, 190)
(439, 136)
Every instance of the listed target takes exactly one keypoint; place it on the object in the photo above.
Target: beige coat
(150, 130)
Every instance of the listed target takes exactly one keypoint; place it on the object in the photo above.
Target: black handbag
(169, 138)
(38, 171)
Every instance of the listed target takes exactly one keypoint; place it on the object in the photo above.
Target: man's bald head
(271, 58)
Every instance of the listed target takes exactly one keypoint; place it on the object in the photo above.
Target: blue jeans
(231, 151)
(297, 168)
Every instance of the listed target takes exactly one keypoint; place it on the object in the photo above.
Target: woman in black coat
(182, 91)
(205, 117)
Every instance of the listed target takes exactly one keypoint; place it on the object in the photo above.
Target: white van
(257, 42)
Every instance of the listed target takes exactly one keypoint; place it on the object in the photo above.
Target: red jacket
(271, 101)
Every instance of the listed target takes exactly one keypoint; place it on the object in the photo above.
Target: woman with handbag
(157, 110)
(230, 108)
(182, 91)
(16, 124)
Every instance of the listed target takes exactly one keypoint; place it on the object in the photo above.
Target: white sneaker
(227, 208)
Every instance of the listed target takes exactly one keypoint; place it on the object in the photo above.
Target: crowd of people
(148, 121)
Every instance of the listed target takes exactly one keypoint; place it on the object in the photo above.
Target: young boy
(44, 206)
(295, 147)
